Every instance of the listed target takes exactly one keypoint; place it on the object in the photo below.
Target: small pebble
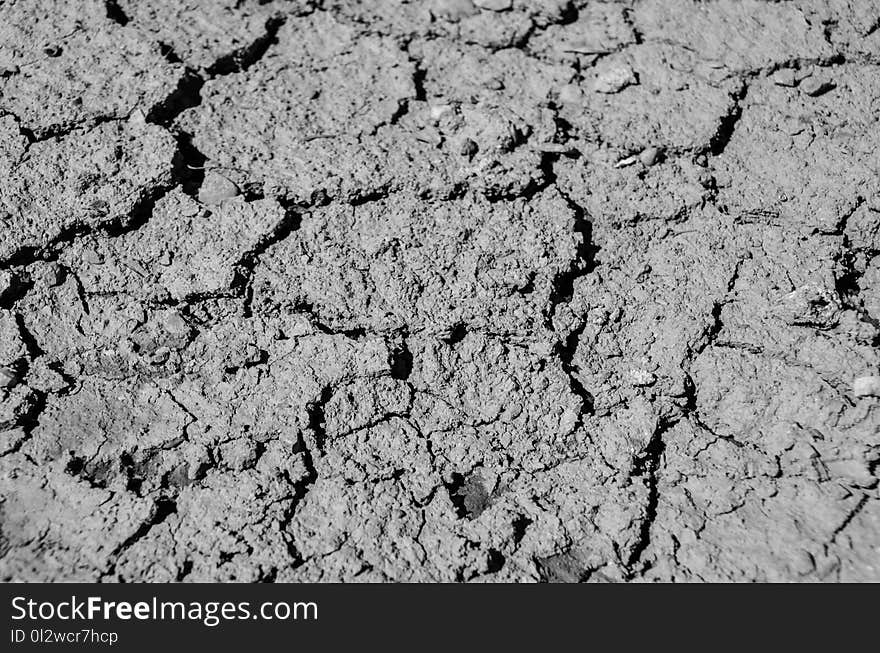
(707, 180)
(437, 110)
(793, 126)
(53, 274)
(583, 46)
(810, 305)
(554, 148)
(650, 156)
(136, 313)
(100, 206)
(469, 148)
(430, 136)
(52, 50)
(216, 188)
(43, 378)
(615, 79)
(641, 378)
(815, 86)
(174, 323)
(785, 77)
(160, 356)
(494, 5)
(571, 94)
(494, 83)
(137, 117)
(7, 280)
(867, 386)
(802, 562)
(92, 257)
(454, 10)
(8, 378)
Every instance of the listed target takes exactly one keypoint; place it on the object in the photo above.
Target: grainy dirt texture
(447, 290)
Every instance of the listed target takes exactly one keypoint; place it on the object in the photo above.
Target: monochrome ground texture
(448, 290)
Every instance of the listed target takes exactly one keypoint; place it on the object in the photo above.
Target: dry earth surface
(447, 290)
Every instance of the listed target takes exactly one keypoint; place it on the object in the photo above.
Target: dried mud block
(600, 29)
(850, 25)
(67, 64)
(340, 116)
(213, 36)
(479, 453)
(309, 98)
(624, 196)
(733, 34)
(185, 250)
(800, 160)
(678, 104)
(424, 265)
(493, 24)
(55, 527)
(87, 179)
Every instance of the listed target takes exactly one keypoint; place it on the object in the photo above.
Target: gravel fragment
(215, 188)
(7, 281)
(614, 79)
(785, 77)
(815, 86)
(494, 5)
(8, 378)
(867, 386)
(87, 67)
(650, 155)
(54, 188)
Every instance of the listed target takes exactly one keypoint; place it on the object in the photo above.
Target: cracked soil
(440, 290)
